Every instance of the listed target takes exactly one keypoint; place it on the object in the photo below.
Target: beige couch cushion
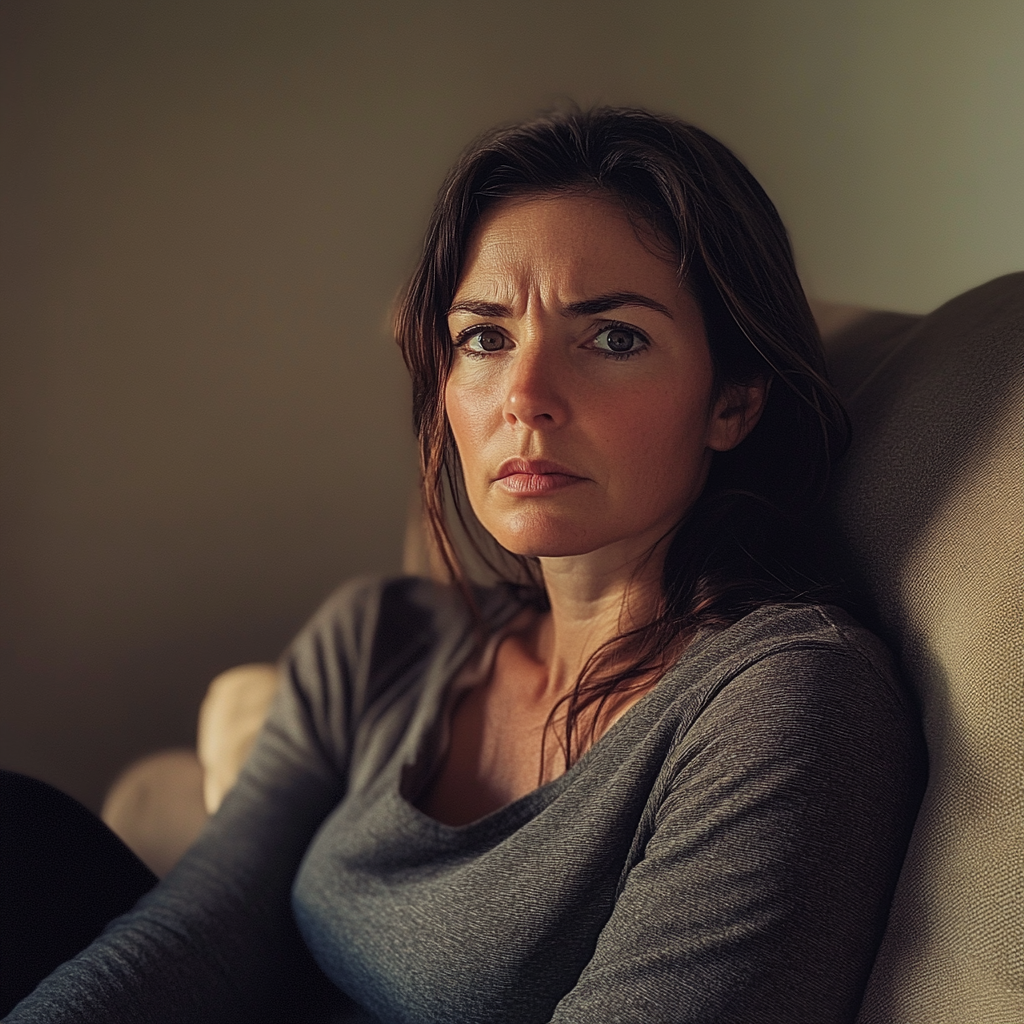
(156, 807)
(232, 713)
(930, 504)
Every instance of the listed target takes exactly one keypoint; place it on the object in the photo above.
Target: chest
(491, 922)
(500, 746)
(507, 737)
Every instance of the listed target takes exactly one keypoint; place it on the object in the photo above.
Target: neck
(593, 598)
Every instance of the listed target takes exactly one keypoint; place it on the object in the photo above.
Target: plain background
(207, 209)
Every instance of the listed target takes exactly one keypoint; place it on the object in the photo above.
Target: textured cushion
(156, 807)
(233, 712)
(930, 505)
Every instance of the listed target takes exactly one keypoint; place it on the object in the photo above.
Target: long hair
(745, 541)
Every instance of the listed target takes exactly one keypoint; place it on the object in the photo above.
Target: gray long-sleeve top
(726, 852)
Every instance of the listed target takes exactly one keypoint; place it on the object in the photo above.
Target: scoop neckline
(523, 807)
(510, 816)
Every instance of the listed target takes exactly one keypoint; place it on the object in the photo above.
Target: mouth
(535, 476)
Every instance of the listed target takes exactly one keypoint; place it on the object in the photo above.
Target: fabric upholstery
(156, 807)
(232, 713)
(930, 506)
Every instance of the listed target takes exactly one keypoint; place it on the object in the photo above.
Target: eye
(620, 341)
(482, 340)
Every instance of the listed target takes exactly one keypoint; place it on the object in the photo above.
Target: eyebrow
(585, 307)
(613, 300)
(490, 310)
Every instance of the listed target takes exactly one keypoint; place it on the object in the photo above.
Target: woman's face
(581, 391)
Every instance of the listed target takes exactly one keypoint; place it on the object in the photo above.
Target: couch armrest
(232, 713)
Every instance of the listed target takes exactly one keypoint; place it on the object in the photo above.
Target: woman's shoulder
(783, 633)
(374, 623)
(375, 602)
(378, 649)
(797, 674)
(793, 702)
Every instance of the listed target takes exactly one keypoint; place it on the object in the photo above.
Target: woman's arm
(215, 941)
(764, 886)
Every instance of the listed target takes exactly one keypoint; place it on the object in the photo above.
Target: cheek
(659, 440)
(470, 410)
(653, 420)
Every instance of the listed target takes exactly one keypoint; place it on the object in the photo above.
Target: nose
(535, 392)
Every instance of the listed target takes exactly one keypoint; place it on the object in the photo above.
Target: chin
(548, 549)
(534, 536)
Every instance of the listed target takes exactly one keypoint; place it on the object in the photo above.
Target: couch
(929, 513)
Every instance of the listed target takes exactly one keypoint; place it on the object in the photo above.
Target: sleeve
(215, 940)
(771, 854)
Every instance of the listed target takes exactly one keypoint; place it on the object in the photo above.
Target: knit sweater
(726, 851)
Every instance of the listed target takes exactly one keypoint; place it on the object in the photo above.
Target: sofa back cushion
(929, 504)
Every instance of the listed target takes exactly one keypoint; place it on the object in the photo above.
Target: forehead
(569, 242)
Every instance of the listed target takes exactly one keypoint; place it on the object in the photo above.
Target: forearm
(214, 940)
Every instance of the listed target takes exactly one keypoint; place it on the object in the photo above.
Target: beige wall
(207, 208)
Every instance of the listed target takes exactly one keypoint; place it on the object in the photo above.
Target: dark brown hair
(745, 541)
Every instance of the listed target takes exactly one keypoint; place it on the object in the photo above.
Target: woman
(646, 778)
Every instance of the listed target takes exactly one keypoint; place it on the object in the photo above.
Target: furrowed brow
(478, 307)
(613, 300)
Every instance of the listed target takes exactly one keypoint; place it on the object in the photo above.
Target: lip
(535, 476)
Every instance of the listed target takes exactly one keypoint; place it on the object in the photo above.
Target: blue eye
(485, 341)
(620, 341)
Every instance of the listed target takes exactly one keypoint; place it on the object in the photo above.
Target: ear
(735, 413)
